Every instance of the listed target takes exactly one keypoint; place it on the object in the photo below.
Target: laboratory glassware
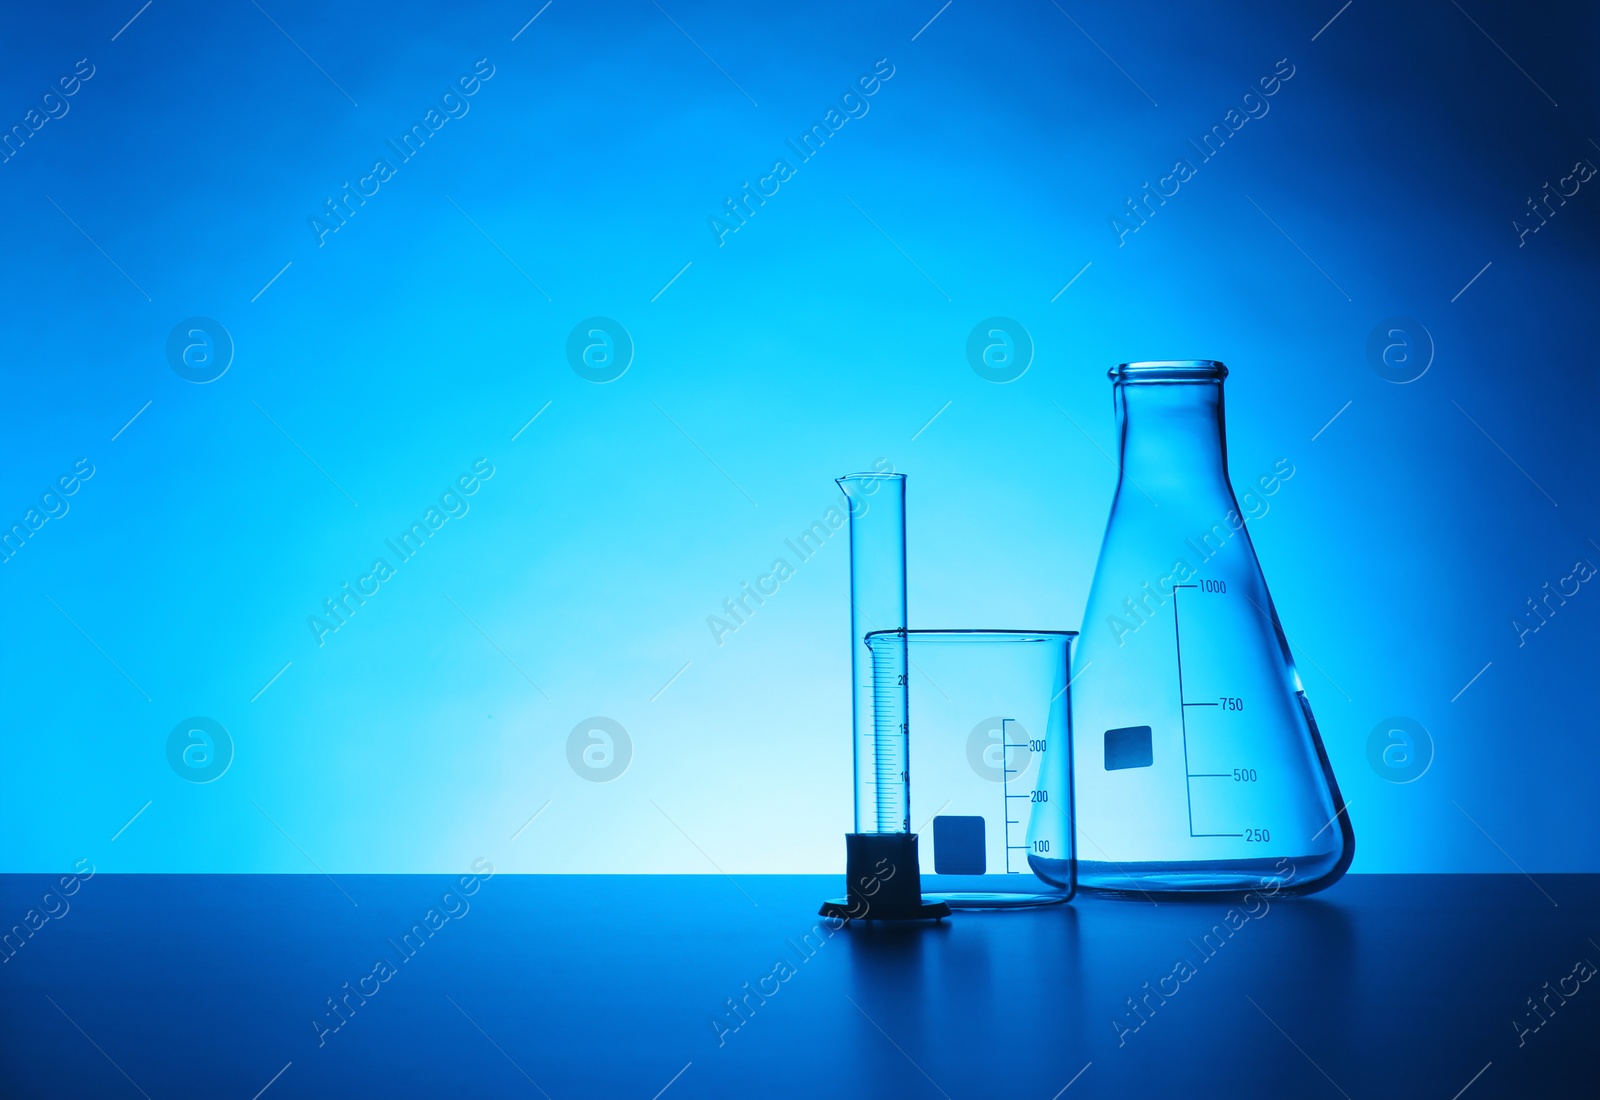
(882, 877)
(984, 706)
(1198, 766)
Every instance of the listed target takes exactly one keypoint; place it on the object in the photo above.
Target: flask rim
(1170, 370)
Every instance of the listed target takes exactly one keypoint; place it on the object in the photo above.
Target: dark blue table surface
(219, 986)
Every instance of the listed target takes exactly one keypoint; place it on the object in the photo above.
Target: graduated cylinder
(878, 602)
(882, 878)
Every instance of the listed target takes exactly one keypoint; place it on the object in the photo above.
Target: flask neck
(1171, 434)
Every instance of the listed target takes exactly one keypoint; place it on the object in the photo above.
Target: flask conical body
(1197, 763)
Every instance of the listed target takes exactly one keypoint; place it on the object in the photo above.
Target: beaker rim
(1170, 370)
(869, 475)
(962, 635)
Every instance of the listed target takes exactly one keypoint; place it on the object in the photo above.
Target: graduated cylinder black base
(883, 881)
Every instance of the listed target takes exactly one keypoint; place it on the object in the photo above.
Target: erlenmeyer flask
(1197, 763)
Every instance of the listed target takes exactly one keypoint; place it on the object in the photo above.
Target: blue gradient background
(808, 345)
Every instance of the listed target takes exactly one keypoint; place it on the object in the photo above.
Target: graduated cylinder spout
(877, 602)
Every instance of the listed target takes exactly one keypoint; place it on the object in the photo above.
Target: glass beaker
(1197, 765)
(983, 707)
